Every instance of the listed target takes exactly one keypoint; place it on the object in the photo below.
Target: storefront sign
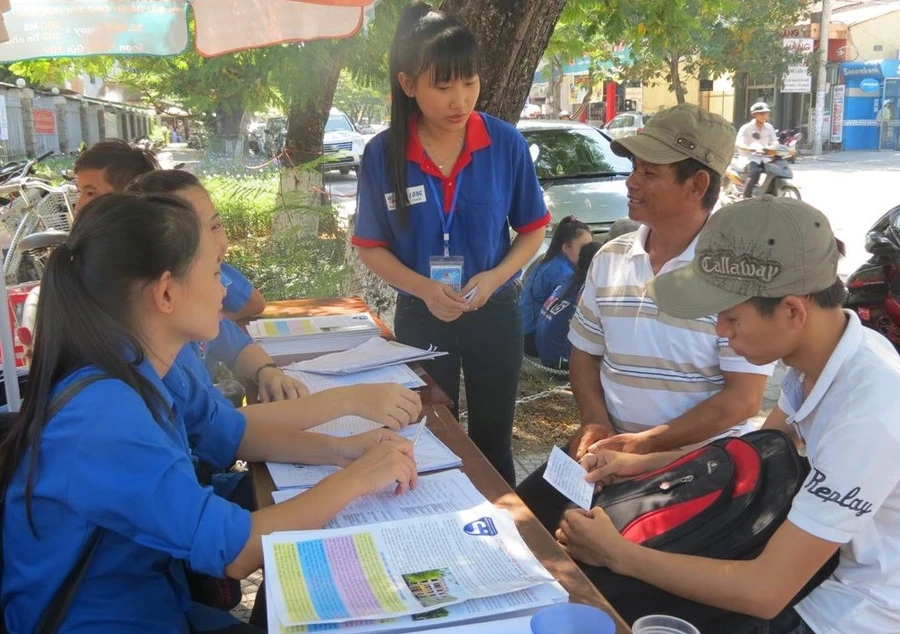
(798, 77)
(837, 114)
(44, 121)
(870, 85)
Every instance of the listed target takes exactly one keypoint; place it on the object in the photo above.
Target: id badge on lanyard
(446, 269)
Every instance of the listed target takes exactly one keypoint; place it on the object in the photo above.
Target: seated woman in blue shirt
(138, 279)
(232, 346)
(554, 269)
(552, 332)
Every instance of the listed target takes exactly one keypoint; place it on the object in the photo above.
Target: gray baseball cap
(682, 132)
(761, 247)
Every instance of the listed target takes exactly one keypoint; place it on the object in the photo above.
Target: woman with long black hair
(438, 193)
(137, 279)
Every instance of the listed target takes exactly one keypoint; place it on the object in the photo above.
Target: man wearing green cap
(645, 381)
(768, 267)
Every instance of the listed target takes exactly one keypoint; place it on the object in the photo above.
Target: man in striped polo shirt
(645, 381)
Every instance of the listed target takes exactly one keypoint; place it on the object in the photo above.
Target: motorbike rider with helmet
(753, 136)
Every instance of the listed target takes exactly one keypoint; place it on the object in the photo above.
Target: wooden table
(485, 478)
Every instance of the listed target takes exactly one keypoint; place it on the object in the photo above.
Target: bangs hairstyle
(427, 40)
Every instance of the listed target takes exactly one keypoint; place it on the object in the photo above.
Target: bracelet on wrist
(261, 368)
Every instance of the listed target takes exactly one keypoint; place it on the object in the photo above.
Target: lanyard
(446, 218)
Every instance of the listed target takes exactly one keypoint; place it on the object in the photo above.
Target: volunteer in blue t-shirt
(438, 194)
(136, 281)
(554, 269)
(552, 331)
(232, 346)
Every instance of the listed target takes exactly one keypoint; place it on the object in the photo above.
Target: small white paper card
(567, 476)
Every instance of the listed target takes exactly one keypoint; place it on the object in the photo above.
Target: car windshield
(572, 152)
(338, 123)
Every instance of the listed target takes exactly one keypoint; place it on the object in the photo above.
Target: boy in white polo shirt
(768, 267)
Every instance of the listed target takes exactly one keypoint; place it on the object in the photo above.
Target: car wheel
(345, 170)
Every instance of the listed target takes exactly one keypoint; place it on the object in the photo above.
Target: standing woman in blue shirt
(554, 269)
(137, 279)
(438, 194)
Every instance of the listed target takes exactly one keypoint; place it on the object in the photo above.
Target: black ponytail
(566, 231)
(426, 39)
(585, 256)
(119, 244)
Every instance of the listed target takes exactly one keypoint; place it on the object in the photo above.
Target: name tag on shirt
(415, 195)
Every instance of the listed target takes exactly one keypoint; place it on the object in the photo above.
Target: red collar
(477, 138)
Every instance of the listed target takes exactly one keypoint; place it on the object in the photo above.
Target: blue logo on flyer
(482, 526)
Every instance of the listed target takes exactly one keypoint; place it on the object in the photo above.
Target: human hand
(442, 301)
(626, 443)
(587, 435)
(608, 467)
(389, 404)
(591, 538)
(275, 385)
(387, 459)
(485, 284)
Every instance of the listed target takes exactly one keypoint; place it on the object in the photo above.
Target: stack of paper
(327, 333)
(404, 575)
(400, 374)
(430, 453)
(373, 354)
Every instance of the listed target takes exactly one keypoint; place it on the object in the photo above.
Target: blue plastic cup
(572, 618)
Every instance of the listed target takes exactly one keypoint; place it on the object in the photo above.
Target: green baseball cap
(761, 247)
(682, 132)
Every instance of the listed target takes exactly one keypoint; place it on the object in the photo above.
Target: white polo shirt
(655, 367)
(850, 425)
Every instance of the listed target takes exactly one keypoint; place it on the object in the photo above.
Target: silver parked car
(579, 174)
(626, 124)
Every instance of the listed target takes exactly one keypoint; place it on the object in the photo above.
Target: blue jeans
(788, 622)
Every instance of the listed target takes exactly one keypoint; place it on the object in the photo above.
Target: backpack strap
(62, 599)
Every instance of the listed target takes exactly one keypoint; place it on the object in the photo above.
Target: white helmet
(564, 113)
(759, 107)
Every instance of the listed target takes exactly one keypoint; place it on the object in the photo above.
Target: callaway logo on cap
(761, 247)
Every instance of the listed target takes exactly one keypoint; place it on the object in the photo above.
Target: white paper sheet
(430, 454)
(443, 492)
(374, 353)
(567, 477)
(400, 374)
(397, 568)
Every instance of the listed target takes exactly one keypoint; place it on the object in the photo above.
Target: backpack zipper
(671, 484)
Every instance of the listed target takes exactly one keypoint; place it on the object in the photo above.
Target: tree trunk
(675, 73)
(513, 35)
(301, 185)
(229, 128)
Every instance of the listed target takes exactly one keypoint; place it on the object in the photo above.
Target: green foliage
(281, 266)
(712, 36)
(359, 100)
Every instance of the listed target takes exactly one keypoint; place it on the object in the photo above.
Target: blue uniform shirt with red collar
(498, 189)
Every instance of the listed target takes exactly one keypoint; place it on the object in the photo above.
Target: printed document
(503, 614)
(401, 374)
(430, 454)
(398, 568)
(443, 492)
(567, 476)
(374, 353)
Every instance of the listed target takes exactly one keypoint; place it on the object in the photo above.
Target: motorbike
(874, 288)
(774, 181)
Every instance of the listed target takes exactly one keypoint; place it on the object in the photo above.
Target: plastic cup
(572, 618)
(662, 624)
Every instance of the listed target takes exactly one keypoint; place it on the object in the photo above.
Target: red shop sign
(44, 121)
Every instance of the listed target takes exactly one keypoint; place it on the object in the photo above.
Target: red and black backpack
(723, 500)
